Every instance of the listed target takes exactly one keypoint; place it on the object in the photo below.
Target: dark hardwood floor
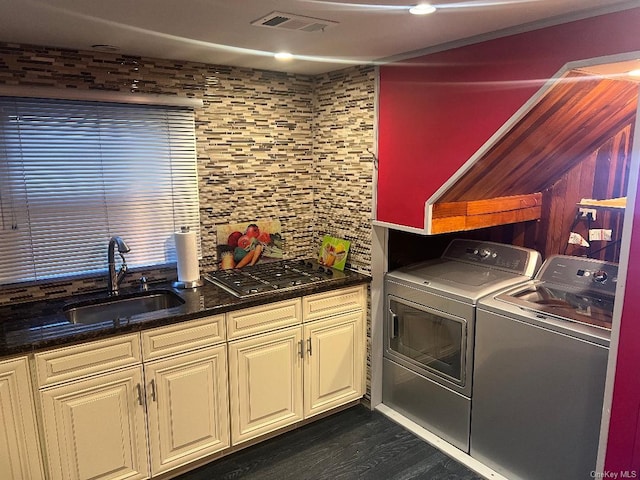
(353, 444)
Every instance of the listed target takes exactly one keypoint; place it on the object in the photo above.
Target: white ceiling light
(283, 56)
(422, 9)
(635, 73)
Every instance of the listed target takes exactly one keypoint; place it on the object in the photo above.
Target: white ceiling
(219, 31)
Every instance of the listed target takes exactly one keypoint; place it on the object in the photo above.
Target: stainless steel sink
(124, 306)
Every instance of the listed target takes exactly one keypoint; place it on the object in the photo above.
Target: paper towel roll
(187, 253)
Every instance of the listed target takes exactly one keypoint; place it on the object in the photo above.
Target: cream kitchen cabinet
(93, 410)
(265, 368)
(20, 456)
(95, 428)
(99, 398)
(295, 359)
(334, 363)
(187, 407)
(140, 405)
(186, 393)
(265, 379)
(334, 332)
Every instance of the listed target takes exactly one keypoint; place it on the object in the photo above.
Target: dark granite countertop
(28, 327)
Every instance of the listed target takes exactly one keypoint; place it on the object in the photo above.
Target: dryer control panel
(518, 260)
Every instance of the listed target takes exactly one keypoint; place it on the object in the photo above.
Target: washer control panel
(582, 273)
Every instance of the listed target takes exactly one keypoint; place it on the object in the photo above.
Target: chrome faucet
(116, 278)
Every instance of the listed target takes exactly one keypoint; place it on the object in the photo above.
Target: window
(74, 173)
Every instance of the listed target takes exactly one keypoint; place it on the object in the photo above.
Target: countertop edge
(211, 301)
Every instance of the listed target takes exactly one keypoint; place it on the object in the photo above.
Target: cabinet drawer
(67, 363)
(334, 302)
(263, 318)
(182, 337)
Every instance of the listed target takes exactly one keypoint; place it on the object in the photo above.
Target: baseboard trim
(442, 445)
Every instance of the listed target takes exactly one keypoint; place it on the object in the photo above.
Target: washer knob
(600, 276)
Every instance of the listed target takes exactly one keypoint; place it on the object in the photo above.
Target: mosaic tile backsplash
(270, 145)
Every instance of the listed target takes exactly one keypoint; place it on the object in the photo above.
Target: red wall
(436, 111)
(623, 446)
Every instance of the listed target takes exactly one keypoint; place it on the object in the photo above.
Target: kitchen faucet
(116, 278)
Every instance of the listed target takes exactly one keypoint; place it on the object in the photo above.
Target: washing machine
(540, 362)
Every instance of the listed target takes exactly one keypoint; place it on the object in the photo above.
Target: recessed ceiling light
(422, 9)
(635, 73)
(283, 56)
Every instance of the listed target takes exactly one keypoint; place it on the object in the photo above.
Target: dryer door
(426, 340)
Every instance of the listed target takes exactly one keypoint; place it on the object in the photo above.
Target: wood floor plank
(353, 444)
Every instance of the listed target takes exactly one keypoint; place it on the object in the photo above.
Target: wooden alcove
(582, 111)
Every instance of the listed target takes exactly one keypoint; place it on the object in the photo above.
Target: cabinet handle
(301, 348)
(153, 390)
(309, 346)
(140, 401)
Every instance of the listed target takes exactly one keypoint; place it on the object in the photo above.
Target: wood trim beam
(473, 214)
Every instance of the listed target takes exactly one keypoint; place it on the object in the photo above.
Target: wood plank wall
(573, 119)
(600, 175)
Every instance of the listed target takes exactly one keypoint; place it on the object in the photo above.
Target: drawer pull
(140, 400)
(309, 349)
(301, 348)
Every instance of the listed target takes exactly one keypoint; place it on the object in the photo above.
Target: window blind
(75, 173)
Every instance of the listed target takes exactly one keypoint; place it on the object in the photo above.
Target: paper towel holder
(190, 284)
(185, 285)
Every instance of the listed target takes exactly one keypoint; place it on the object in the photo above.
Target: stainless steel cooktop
(271, 277)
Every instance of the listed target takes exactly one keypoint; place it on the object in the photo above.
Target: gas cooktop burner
(271, 277)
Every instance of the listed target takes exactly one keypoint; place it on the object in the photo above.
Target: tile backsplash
(270, 145)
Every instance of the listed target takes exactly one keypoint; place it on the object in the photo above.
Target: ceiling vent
(288, 21)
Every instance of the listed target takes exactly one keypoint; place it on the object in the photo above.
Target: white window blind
(75, 173)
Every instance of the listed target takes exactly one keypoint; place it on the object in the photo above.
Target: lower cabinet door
(334, 365)
(188, 407)
(265, 378)
(95, 428)
(20, 457)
